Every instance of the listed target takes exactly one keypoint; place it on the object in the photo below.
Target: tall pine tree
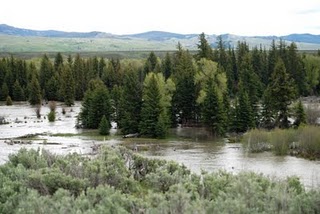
(282, 93)
(213, 114)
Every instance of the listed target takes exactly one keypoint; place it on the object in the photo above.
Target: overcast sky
(241, 17)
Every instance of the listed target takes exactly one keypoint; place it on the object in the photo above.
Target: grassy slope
(45, 44)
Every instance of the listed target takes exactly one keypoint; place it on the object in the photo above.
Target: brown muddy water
(191, 146)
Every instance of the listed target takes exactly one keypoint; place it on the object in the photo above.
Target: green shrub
(39, 182)
(309, 138)
(257, 140)
(9, 101)
(52, 116)
(104, 126)
(281, 139)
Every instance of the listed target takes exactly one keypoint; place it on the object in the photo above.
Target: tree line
(227, 89)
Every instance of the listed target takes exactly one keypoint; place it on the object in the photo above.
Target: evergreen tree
(243, 115)
(213, 115)
(162, 125)
(299, 114)
(52, 116)
(53, 87)
(67, 86)
(112, 74)
(18, 92)
(251, 83)
(8, 101)
(78, 71)
(151, 108)
(34, 91)
(102, 65)
(204, 48)
(4, 93)
(154, 119)
(267, 111)
(282, 91)
(116, 100)
(9, 80)
(184, 99)
(259, 63)
(295, 68)
(232, 73)
(167, 66)
(242, 52)
(3, 71)
(104, 126)
(272, 59)
(46, 73)
(58, 61)
(131, 102)
(95, 105)
(151, 63)
(221, 56)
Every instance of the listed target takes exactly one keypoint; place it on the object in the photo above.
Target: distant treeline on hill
(225, 89)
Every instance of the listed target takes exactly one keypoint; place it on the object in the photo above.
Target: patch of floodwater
(22, 120)
(56, 145)
(212, 157)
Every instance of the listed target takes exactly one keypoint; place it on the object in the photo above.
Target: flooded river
(194, 148)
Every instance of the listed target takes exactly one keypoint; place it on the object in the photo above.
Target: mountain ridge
(20, 39)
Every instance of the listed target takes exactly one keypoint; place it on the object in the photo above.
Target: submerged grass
(309, 138)
(257, 140)
(304, 141)
(280, 139)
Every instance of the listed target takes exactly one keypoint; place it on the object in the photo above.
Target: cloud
(308, 11)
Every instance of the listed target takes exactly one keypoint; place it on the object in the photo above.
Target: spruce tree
(157, 95)
(58, 61)
(4, 93)
(18, 92)
(151, 109)
(282, 91)
(243, 115)
(151, 63)
(131, 102)
(53, 88)
(8, 101)
(95, 105)
(295, 68)
(213, 114)
(67, 86)
(299, 114)
(167, 66)
(78, 71)
(204, 48)
(267, 111)
(104, 126)
(34, 91)
(184, 99)
(46, 73)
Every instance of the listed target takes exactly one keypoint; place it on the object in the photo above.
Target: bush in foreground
(118, 181)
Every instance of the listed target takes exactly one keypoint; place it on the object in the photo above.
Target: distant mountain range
(14, 39)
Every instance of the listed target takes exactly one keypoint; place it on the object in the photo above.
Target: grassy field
(45, 44)
(19, 44)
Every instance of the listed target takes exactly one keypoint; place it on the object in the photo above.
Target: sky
(240, 17)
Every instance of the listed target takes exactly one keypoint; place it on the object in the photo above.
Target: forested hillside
(225, 89)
